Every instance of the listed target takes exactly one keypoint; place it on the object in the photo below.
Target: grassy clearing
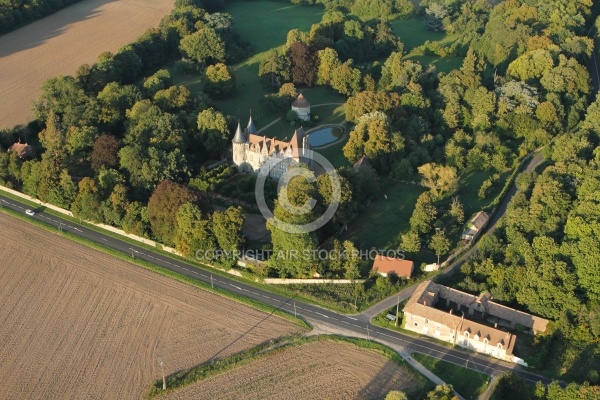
(335, 155)
(160, 270)
(206, 370)
(469, 187)
(382, 222)
(470, 384)
(412, 32)
(442, 64)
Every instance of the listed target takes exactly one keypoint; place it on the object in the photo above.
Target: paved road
(404, 294)
(353, 325)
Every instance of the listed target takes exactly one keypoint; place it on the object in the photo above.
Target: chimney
(450, 311)
(496, 325)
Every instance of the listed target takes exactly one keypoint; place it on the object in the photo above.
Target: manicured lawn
(265, 24)
(335, 154)
(466, 382)
(383, 220)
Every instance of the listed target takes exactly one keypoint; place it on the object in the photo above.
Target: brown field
(315, 370)
(61, 42)
(79, 324)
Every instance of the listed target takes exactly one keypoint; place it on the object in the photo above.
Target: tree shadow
(38, 32)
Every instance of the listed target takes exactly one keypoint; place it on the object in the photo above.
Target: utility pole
(397, 308)
(162, 368)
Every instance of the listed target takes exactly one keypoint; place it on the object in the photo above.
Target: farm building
(475, 225)
(388, 265)
(448, 314)
(23, 150)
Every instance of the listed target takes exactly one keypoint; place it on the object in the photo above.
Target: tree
(442, 180)
(411, 242)
(87, 202)
(346, 79)
(456, 210)
(396, 395)
(302, 63)
(227, 227)
(510, 385)
(292, 249)
(163, 206)
(114, 100)
(397, 74)
(160, 80)
(204, 46)
(274, 70)
(434, 17)
(328, 62)
(442, 392)
(174, 98)
(439, 243)
(105, 152)
(214, 132)
(423, 214)
(220, 82)
(373, 137)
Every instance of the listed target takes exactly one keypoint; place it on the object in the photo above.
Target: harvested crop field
(61, 42)
(80, 324)
(315, 370)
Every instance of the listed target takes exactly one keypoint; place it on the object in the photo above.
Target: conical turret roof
(239, 135)
(251, 128)
(301, 102)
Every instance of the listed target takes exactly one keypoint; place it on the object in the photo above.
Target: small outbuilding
(387, 265)
(475, 226)
(23, 150)
(302, 107)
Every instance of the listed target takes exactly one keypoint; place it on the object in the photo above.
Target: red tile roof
(386, 265)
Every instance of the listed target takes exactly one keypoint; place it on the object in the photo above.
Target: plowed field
(79, 324)
(314, 370)
(61, 42)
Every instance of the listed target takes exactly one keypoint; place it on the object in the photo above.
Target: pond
(325, 135)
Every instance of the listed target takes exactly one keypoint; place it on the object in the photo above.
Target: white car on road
(31, 213)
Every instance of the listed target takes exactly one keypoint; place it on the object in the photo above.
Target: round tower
(302, 107)
(239, 149)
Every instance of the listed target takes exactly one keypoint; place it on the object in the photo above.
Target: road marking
(352, 318)
(237, 287)
(323, 315)
(105, 239)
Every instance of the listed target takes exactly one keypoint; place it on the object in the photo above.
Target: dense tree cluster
(16, 13)
(330, 53)
(120, 141)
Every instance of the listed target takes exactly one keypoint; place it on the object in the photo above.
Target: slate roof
(239, 136)
(251, 128)
(362, 163)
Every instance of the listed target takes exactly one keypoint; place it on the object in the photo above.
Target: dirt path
(61, 42)
(80, 324)
(268, 125)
